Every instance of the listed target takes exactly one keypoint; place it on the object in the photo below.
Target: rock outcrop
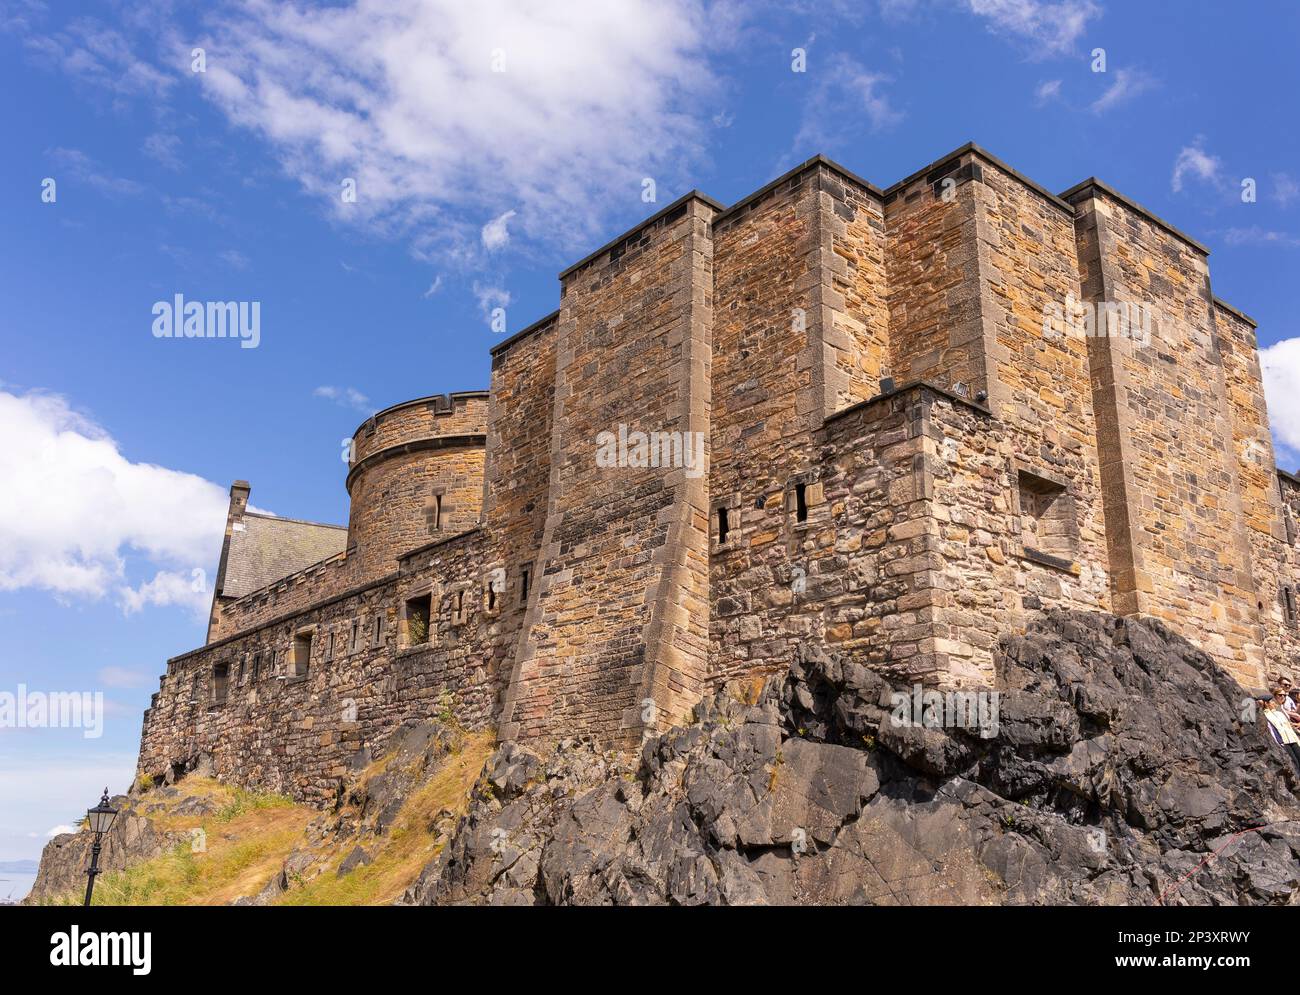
(133, 837)
(1120, 766)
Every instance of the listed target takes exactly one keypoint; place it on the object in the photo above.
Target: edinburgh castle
(925, 413)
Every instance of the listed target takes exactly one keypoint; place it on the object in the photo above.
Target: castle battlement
(924, 420)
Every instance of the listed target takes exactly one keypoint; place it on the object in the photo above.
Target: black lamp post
(99, 819)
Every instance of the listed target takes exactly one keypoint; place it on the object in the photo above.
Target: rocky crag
(1123, 768)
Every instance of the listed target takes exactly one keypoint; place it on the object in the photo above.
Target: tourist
(1283, 732)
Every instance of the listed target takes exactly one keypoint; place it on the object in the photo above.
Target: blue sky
(474, 188)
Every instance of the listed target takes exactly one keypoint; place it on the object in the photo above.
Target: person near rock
(1282, 699)
(1289, 691)
(1280, 726)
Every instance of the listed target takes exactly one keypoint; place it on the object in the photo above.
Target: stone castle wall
(907, 460)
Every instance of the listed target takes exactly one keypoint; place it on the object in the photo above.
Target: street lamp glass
(101, 816)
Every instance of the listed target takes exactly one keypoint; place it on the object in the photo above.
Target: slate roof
(268, 548)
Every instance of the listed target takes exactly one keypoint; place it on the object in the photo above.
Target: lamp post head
(100, 818)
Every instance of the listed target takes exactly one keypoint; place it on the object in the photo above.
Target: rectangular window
(377, 631)
(220, 682)
(433, 512)
(1047, 519)
(801, 502)
(724, 527)
(301, 660)
(525, 575)
(418, 611)
(257, 665)
(1288, 604)
(353, 642)
(329, 647)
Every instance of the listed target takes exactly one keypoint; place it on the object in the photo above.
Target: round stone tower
(416, 476)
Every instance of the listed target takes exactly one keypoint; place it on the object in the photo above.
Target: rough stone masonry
(908, 459)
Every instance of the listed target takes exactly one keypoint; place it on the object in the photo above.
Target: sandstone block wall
(618, 618)
(1174, 498)
(416, 475)
(905, 460)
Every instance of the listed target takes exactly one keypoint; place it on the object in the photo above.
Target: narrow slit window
(525, 575)
(1288, 602)
(724, 526)
(220, 682)
(801, 502)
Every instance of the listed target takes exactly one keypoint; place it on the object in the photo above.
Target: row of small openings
(800, 494)
(418, 612)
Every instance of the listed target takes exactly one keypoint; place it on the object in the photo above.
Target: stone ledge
(1133, 205)
(472, 440)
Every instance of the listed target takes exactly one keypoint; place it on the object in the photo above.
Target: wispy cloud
(1049, 28)
(1193, 162)
(496, 233)
(842, 91)
(347, 397)
(1257, 236)
(490, 296)
(443, 110)
(164, 149)
(234, 259)
(1047, 91)
(1125, 86)
(124, 677)
(1285, 189)
(434, 287)
(81, 168)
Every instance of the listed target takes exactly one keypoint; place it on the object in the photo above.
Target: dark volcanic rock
(1118, 761)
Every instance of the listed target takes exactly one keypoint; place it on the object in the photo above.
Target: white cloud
(1255, 235)
(170, 587)
(54, 831)
(1047, 91)
(123, 677)
(403, 98)
(347, 397)
(1125, 85)
(1280, 369)
(1193, 161)
(496, 233)
(490, 297)
(1051, 28)
(73, 508)
(434, 287)
(234, 259)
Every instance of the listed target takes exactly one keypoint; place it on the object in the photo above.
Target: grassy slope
(249, 835)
